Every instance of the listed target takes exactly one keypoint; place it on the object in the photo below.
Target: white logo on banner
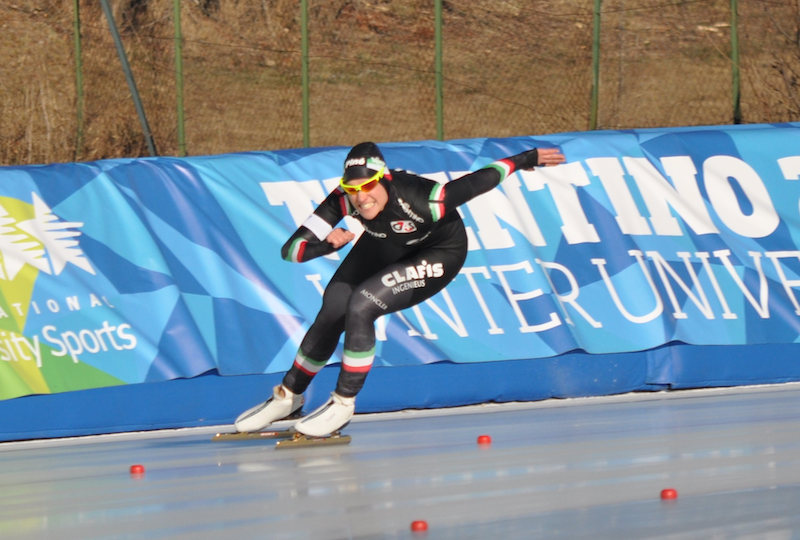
(47, 235)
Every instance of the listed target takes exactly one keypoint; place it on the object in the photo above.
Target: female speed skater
(414, 244)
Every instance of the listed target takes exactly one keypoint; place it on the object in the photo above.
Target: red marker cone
(419, 526)
(668, 494)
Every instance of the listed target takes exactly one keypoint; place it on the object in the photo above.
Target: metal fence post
(596, 66)
(78, 79)
(123, 58)
(176, 9)
(304, 52)
(438, 67)
(737, 111)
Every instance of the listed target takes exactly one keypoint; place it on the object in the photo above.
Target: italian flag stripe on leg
(296, 250)
(436, 202)
(358, 361)
(307, 365)
(504, 167)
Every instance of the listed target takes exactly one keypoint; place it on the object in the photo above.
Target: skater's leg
(339, 409)
(320, 341)
(317, 346)
(377, 296)
(382, 294)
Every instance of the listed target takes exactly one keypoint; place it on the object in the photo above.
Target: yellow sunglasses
(366, 186)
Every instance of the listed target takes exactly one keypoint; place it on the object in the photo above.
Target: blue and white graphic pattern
(644, 237)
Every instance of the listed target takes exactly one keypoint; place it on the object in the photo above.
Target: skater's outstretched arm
(316, 236)
(447, 197)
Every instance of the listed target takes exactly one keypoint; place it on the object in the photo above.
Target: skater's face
(370, 199)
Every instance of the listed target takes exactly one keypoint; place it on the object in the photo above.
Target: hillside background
(510, 68)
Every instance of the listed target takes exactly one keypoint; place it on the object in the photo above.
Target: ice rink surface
(583, 468)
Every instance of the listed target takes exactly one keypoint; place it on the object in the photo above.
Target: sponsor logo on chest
(403, 226)
(375, 234)
(408, 211)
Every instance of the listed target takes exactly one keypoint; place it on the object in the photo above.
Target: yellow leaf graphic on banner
(21, 257)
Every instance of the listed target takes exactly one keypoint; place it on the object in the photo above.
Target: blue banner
(126, 271)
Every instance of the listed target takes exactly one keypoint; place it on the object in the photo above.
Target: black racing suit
(407, 253)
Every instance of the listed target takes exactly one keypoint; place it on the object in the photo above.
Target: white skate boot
(332, 416)
(282, 404)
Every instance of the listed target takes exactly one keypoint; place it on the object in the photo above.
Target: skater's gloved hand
(339, 237)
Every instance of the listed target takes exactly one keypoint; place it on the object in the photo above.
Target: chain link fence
(515, 68)
(770, 60)
(241, 75)
(369, 71)
(665, 65)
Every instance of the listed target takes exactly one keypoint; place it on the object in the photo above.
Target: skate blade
(254, 435)
(300, 440)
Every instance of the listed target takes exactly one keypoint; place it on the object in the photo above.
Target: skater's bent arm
(339, 237)
(303, 246)
(454, 194)
(316, 236)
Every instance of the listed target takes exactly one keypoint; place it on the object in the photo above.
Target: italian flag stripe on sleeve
(504, 167)
(436, 202)
(296, 250)
(344, 203)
